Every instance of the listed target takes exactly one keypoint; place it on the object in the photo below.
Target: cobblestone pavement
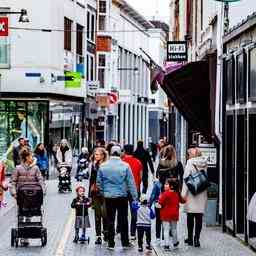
(213, 243)
(59, 222)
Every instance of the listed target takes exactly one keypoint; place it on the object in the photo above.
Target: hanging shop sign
(177, 51)
(103, 100)
(72, 79)
(4, 30)
(113, 97)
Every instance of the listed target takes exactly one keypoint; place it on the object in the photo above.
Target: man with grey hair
(115, 181)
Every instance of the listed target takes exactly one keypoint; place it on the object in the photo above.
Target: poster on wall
(210, 153)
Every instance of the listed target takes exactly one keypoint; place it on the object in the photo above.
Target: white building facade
(122, 68)
(43, 72)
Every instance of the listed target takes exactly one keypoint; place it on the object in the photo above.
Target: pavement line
(61, 247)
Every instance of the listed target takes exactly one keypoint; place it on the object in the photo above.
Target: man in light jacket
(115, 182)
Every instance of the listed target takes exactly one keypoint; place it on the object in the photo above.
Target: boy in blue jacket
(154, 199)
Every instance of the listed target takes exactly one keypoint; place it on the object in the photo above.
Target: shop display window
(20, 119)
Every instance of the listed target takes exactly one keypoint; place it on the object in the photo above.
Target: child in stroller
(81, 204)
(29, 202)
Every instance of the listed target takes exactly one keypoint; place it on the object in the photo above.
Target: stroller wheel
(13, 237)
(44, 237)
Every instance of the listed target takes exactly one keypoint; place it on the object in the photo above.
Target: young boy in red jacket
(168, 203)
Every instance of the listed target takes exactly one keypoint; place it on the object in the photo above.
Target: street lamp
(23, 15)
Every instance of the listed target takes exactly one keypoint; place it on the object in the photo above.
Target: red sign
(3, 26)
(113, 97)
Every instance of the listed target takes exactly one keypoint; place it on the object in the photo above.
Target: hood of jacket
(199, 162)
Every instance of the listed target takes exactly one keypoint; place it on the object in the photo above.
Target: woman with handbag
(99, 156)
(195, 204)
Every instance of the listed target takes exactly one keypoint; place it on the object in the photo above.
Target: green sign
(72, 79)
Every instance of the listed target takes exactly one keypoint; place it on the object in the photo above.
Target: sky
(151, 8)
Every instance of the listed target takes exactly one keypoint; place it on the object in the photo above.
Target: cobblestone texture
(57, 212)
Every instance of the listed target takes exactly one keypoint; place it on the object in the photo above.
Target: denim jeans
(167, 226)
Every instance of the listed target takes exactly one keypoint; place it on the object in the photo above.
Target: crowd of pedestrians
(118, 187)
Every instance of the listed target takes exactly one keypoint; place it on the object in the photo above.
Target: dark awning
(189, 89)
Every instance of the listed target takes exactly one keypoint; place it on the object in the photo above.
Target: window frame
(68, 24)
(251, 97)
(102, 68)
(230, 94)
(241, 57)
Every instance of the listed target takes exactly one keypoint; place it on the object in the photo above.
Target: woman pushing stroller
(26, 172)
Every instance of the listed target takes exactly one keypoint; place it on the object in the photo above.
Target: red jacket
(136, 168)
(169, 200)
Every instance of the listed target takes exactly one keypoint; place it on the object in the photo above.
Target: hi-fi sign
(4, 26)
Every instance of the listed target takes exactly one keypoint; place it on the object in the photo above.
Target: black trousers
(158, 223)
(197, 219)
(100, 216)
(145, 182)
(141, 231)
(120, 206)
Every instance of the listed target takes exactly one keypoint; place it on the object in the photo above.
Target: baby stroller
(30, 215)
(64, 178)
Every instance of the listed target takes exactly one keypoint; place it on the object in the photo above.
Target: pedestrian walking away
(42, 160)
(99, 156)
(137, 169)
(81, 205)
(196, 204)
(154, 197)
(143, 155)
(115, 182)
(169, 201)
(144, 216)
(169, 167)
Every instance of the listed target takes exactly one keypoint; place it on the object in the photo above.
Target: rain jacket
(42, 161)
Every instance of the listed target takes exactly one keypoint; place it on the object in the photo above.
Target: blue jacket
(42, 161)
(156, 191)
(115, 179)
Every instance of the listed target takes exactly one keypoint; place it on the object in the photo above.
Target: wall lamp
(23, 15)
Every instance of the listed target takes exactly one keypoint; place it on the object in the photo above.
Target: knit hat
(115, 150)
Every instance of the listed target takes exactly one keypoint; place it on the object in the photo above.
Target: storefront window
(240, 71)
(20, 119)
(252, 75)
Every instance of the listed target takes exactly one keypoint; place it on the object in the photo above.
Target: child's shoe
(98, 241)
(76, 239)
(148, 247)
(140, 249)
(175, 246)
(167, 248)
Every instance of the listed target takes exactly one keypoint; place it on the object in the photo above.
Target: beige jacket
(197, 203)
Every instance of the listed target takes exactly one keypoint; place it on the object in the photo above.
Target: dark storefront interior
(239, 147)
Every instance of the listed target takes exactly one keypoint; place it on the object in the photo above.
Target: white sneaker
(158, 241)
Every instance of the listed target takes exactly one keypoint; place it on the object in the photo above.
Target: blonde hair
(194, 152)
(103, 152)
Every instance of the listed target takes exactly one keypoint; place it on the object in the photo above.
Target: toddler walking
(144, 217)
(81, 204)
(168, 203)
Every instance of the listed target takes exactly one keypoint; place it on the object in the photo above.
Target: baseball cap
(115, 150)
